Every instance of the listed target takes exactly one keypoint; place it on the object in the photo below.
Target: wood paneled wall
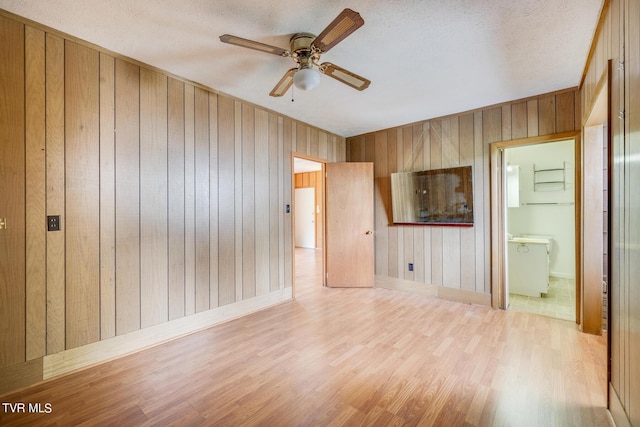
(313, 179)
(453, 257)
(618, 41)
(168, 204)
(13, 333)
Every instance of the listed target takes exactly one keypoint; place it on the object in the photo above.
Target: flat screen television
(433, 197)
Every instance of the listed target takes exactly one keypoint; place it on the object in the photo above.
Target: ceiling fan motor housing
(301, 50)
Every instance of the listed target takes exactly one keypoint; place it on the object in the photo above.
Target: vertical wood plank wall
(451, 257)
(82, 195)
(55, 192)
(618, 40)
(12, 188)
(35, 187)
(313, 179)
(166, 210)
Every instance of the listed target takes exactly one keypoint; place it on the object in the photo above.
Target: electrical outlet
(410, 266)
(53, 223)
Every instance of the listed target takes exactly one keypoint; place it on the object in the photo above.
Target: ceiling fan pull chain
(292, 93)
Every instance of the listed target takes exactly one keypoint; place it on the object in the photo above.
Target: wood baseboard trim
(406, 285)
(617, 410)
(102, 351)
(442, 292)
(21, 375)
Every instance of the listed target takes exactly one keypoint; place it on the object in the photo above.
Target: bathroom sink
(530, 240)
(534, 239)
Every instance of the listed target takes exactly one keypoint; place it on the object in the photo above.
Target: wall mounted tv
(433, 197)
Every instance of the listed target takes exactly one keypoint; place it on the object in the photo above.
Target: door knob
(369, 232)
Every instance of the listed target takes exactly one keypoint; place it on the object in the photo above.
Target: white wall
(557, 221)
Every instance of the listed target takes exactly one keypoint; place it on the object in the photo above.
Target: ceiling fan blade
(346, 23)
(239, 41)
(345, 76)
(284, 84)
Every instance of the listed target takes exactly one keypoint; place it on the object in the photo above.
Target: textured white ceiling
(425, 58)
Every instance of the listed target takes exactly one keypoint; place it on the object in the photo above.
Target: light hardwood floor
(345, 357)
(558, 302)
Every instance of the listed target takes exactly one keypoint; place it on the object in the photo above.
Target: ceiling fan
(305, 50)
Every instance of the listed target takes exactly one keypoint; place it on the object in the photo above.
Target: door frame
(498, 210)
(323, 209)
(596, 114)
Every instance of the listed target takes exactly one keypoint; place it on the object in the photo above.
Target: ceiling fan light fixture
(305, 50)
(306, 78)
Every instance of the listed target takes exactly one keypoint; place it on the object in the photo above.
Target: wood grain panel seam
(35, 192)
(168, 298)
(111, 329)
(190, 200)
(139, 281)
(184, 222)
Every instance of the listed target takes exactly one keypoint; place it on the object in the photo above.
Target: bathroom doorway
(544, 176)
(540, 220)
(590, 207)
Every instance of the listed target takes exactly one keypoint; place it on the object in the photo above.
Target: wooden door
(350, 245)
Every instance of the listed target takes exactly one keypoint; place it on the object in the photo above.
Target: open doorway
(540, 221)
(590, 213)
(309, 223)
(550, 181)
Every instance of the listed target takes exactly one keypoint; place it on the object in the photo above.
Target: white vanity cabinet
(528, 266)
